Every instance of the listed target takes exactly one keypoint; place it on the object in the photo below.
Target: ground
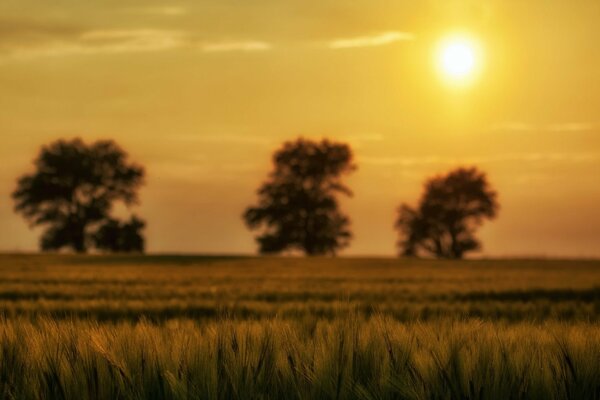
(100, 327)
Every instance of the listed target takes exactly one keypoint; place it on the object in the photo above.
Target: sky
(203, 92)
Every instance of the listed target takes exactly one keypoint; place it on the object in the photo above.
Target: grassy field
(76, 327)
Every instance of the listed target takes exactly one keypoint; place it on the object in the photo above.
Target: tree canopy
(298, 207)
(120, 237)
(451, 208)
(73, 188)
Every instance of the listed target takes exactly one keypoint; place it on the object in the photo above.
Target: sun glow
(458, 59)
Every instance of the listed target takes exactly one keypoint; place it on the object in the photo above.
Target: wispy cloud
(403, 161)
(244, 46)
(513, 127)
(365, 137)
(25, 39)
(202, 170)
(555, 127)
(251, 139)
(224, 138)
(167, 11)
(371, 41)
(133, 40)
(509, 157)
(15, 32)
(571, 127)
(360, 140)
(105, 42)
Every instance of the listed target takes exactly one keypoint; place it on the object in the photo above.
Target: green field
(166, 327)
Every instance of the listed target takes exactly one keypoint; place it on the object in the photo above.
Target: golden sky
(202, 92)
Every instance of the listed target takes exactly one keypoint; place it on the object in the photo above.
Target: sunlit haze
(458, 58)
(202, 92)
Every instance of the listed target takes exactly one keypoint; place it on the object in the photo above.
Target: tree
(73, 189)
(120, 237)
(451, 208)
(298, 207)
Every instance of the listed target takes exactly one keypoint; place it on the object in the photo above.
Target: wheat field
(178, 327)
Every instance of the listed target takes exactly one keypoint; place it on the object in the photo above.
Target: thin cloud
(366, 137)
(106, 42)
(513, 127)
(403, 161)
(571, 127)
(23, 39)
(244, 46)
(202, 170)
(541, 157)
(509, 157)
(131, 41)
(134, 40)
(16, 33)
(371, 41)
(167, 11)
(224, 138)
(555, 127)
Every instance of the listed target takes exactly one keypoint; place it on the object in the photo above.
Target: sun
(458, 58)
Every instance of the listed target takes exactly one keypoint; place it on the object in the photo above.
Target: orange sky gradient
(202, 93)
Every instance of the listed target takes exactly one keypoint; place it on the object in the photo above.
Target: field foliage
(162, 288)
(76, 327)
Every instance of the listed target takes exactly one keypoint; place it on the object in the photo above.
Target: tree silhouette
(451, 208)
(73, 189)
(298, 207)
(120, 237)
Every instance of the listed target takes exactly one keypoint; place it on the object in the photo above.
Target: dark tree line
(451, 208)
(75, 185)
(71, 194)
(297, 206)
